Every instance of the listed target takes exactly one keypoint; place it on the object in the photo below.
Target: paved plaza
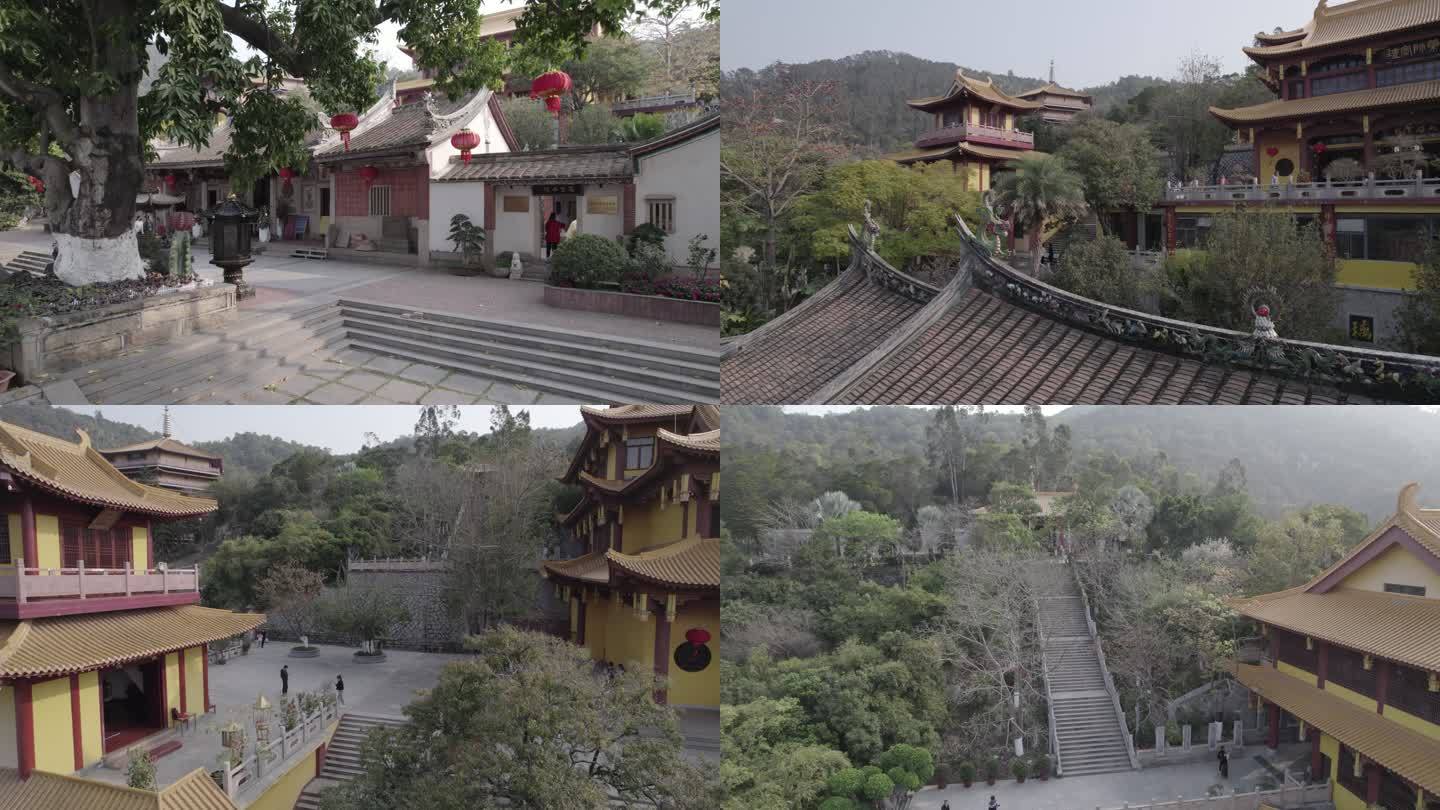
(1161, 783)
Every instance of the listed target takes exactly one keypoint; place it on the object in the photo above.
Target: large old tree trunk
(91, 201)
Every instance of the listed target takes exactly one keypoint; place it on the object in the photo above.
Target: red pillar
(1272, 740)
(75, 727)
(24, 728)
(1169, 230)
(183, 708)
(1372, 783)
(488, 190)
(1315, 761)
(662, 651)
(27, 532)
(1382, 685)
(319, 759)
(580, 623)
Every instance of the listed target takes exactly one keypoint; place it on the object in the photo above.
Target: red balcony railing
(22, 584)
(976, 133)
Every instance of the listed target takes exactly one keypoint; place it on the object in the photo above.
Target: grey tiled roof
(410, 125)
(555, 165)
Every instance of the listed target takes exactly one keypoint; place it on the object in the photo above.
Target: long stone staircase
(261, 346)
(34, 262)
(1089, 729)
(342, 755)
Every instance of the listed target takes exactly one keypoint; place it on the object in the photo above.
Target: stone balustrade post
(1239, 741)
(80, 577)
(1160, 741)
(20, 595)
(129, 568)
(1185, 738)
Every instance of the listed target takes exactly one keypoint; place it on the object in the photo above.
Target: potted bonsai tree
(1042, 767)
(967, 773)
(291, 594)
(992, 770)
(1019, 769)
(366, 612)
(469, 241)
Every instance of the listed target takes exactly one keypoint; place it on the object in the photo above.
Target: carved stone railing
(1259, 191)
(975, 132)
(1371, 372)
(1104, 669)
(666, 100)
(23, 583)
(881, 272)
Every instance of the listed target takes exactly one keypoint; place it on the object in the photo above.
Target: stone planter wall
(654, 307)
(57, 343)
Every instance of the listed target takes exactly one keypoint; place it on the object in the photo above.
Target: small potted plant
(1019, 769)
(1042, 767)
(942, 777)
(992, 770)
(469, 240)
(967, 773)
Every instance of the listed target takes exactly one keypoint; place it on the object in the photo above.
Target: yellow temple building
(1351, 141)
(1353, 666)
(102, 649)
(974, 129)
(646, 592)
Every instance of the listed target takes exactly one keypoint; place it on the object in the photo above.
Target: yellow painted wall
(172, 685)
(1009, 120)
(47, 543)
(630, 641)
(597, 620)
(1350, 695)
(648, 525)
(975, 115)
(195, 680)
(1330, 747)
(9, 758)
(1297, 672)
(1395, 565)
(90, 742)
(1344, 799)
(696, 688)
(1412, 722)
(1288, 147)
(1371, 273)
(984, 176)
(54, 737)
(139, 541)
(17, 540)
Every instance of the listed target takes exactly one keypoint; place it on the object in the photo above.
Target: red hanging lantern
(170, 181)
(551, 87)
(287, 174)
(465, 140)
(368, 174)
(1319, 148)
(344, 122)
(697, 635)
(1272, 151)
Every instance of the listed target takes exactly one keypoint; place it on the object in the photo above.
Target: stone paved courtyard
(1161, 783)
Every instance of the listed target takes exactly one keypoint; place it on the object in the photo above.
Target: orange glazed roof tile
(986, 90)
(707, 442)
(1347, 22)
(59, 645)
(1408, 753)
(637, 413)
(689, 563)
(1401, 628)
(78, 472)
(1054, 90)
(51, 791)
(166, 443)
(1371, 98)
(590, 568)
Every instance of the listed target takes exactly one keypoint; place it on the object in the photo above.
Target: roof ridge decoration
(380, 111)
(1405, 504)
(1378, 373)
(440, 125)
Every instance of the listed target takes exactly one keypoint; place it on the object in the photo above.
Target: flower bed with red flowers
(689, 288)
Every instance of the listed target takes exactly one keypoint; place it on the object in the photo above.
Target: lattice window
(1347, 668)
(639, 453)
(1395, 792)
(662, 213)
(71, 538)
(1293, 652)
(1345, 773)
(1409, 691)
(379, 201)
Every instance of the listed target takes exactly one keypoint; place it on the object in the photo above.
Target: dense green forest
(1293, 456)
(869, 608)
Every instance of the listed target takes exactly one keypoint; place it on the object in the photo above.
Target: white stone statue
(517, 268)
(872, 228)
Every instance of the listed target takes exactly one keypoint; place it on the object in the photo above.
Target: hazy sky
(339, 428)
(821, 410)
(1091, 42)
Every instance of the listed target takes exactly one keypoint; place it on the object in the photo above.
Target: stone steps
(585, 367)
(29, 261)
(342, 755)
(254, 350)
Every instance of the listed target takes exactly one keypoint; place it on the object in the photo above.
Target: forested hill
(871, 89)
(1353, 456)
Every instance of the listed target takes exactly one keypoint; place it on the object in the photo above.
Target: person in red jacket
(553, 228)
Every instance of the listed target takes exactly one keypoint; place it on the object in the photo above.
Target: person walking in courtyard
(994, 805)
(1224, 763)
(262, 639)
(553, 228)
(340, 689)
(945, 805)
(285, 679)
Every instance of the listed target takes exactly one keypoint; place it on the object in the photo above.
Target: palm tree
(1037, 192)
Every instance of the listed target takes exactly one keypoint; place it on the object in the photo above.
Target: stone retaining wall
(654, 307)
(55, 343)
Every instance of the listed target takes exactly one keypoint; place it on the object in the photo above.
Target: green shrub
(587, 261)
(646, 234)
(967, 772)
(1100, 269)
(642, 127)
(648, 265)
(140, 772)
